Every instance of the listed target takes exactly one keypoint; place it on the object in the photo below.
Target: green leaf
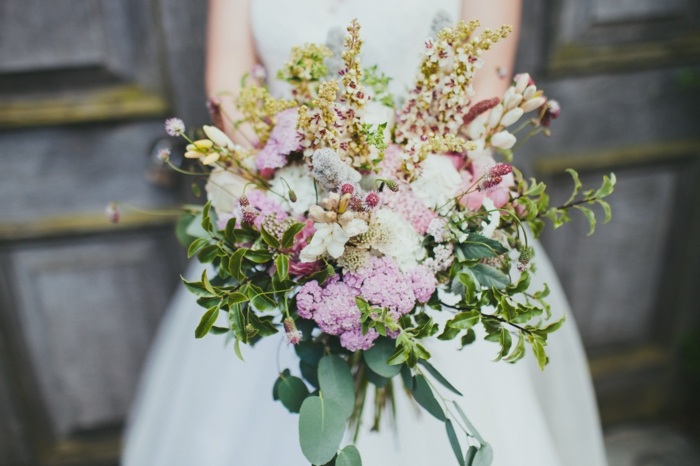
(348, 456)
(206, 283)
(484, 455)
(399, 356)
(449, 334)
(321, 429)
(606, 209)
(480, 247)
(554, 326)
(197, 289)
(275, 387)
(196, 245)
(206, 219)
(214, 330)
(439, 377)
(282, 264)
(468, 338)
(309, 352)
(407, 377)
(259, 256)
(236, 298)
(288, 236)
(260, 299)
(425, 397)
(590, 216)
(208, 253)
(469, 457)
(236, 322)
(577, 184)
(292, 392)
(269, 239)
(237, 349)
(454, 442)
(464, 320)
(506, 341)
(607, 187)
(206, 322)
(263, 326)
(336, 382)
(540, 354)
(235, 263)
(377, 356)
(489, 276)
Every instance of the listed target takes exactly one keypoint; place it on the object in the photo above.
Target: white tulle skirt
(200, 405)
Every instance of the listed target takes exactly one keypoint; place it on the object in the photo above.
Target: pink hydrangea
(283, 140)
(423, 282)
(333, 308)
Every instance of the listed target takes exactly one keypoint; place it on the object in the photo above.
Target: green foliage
(374, 79)
(348, 456)
(377, 356)
(423, 394)
(321, 429)
(336, 382)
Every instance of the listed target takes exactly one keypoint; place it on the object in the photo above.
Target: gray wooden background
(84, 86)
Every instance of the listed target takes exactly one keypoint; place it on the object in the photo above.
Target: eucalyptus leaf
(469, 457)
(423, 394)
(439, 377)
(321, 429)
(468, 424)
(336, 382)
(348, 456)
(275, 386)
(454, 442)
(377, 356)
(484, 455)
(291, 392)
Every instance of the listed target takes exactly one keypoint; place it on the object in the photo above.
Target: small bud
(347, 188)
(290, 328)
(503, 140)
(243, 201)
(391, 184)
(479, 108)
(490, 183)
(500, 169)
(343, 203)
(163, 155)
(372, 199)
(112, 212)
(292, 195)
(249, 216)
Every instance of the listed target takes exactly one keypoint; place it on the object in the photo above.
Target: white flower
(218, 137)
(401, 241)
(512, 116)
(533, 104)
(503, 140)
(439, 181)
(302, 183)
(331, 238)
(223, 189)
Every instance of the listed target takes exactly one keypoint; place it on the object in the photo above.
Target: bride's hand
(495, 75)
(230, 55)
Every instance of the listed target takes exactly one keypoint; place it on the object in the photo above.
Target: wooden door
(84, 88)
(626, 74)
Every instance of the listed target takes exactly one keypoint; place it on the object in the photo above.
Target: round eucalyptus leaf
(348, 456)
(336, 383)
(376, 357)
(321, 429)
(292, 391)
(484, 455)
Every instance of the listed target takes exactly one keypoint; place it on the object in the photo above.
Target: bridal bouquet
(362, 225)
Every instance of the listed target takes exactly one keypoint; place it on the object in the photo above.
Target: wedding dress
(199, 405)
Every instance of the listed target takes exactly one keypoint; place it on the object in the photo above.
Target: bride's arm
(230, 55)
(501, 57)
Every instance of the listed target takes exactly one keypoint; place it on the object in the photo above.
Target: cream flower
(223, 189)
(331, 238)
(218, 137)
